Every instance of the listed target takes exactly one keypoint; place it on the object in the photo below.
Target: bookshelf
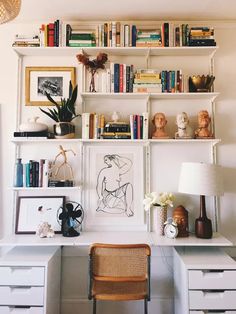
(127, 103)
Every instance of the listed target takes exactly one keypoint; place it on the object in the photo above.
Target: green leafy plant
(65, 111)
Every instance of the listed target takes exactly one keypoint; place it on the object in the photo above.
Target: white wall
(168, 161)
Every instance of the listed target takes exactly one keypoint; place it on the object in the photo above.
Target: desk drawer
(23, 310)
(205, 279)
(17, 295)
(28, 276)
(213, 300)
(209, 312)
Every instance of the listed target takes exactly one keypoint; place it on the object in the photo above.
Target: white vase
(159, 216)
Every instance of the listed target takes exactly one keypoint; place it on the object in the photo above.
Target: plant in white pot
(63, 114)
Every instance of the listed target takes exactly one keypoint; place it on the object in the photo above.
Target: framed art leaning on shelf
(114, 187)
(51, 80)
(34, 210)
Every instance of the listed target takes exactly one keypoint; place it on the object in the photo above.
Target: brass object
(201, 83)
(180, 216)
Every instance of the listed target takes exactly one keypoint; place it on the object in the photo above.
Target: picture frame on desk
(34, 210)
(114, 180)
(53, 80)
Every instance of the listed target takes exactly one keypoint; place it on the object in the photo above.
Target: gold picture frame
(54, 80)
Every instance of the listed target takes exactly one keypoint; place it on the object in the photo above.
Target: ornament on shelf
(33, 126)
(63, 166)
(44, 230)
(180, 216)
(204, 121)
(159, 121)
(184, 130)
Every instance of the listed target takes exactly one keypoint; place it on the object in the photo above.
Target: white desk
(87, 238)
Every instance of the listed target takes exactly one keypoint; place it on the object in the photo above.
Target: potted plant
(63, 114)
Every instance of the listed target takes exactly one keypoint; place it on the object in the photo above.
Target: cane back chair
(119, 272)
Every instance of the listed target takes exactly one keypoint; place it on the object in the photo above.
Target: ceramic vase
(159, 217)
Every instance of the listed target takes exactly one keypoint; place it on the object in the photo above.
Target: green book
(81, 45)
(82, 36)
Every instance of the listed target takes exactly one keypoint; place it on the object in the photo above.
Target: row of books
(36, 173)
(117, 78)
(117, 34)
(94, 127)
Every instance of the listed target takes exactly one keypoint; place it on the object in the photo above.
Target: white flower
(150, 200)
(153, 199)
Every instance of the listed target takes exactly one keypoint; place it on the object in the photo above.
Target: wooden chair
(119, 272)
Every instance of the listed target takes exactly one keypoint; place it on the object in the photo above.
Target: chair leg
(94, 306)
(145, 306)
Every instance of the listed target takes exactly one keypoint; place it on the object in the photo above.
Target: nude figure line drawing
(115, 196)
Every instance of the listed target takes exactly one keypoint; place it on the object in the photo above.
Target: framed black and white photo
(32, 211)
(53, 80)
(114, 188)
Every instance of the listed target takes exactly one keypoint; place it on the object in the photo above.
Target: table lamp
(205, 180)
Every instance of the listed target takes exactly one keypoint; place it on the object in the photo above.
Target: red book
(121, 80)
(51, 31)
(138, 127)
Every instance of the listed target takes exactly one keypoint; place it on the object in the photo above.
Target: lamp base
(203, 228)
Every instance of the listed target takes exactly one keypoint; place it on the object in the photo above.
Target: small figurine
(184, 130)
(44, 230)
(115, 116)
(180, 216)
(159, 121)
(204, 121)
(64, 164)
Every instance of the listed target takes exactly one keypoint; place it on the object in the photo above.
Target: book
(116, 77)
(31, 134)
(51, 35)
(85, 125)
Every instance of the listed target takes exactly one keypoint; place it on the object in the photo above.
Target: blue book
(116, 77)
(27, 175)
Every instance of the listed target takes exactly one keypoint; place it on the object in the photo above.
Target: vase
(64, 130)
(92, 88)
(159, 217)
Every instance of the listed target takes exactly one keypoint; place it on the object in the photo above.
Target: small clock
(170, 229)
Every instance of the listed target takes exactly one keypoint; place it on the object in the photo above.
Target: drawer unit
(212, 300)
(212, 279)
(26, 286)
(21, 310)
(25, 276)
(205, 281)
(21, 295)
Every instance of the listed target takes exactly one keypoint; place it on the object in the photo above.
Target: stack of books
(36, 173)
(116, 130)
(82, 38)
(201, 36)
(147, 81)
(26, 41)
(33, 135)
(148, 38)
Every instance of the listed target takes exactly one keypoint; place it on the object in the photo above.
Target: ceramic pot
(64, 130)
(159, 218)
(33, 126)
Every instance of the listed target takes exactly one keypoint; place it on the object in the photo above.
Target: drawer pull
(20, 288)
(14, 269)
(213, 294)
(213, 274)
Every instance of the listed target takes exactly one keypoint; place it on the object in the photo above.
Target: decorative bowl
(200, 83)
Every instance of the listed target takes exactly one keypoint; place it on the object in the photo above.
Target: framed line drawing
(34, 210)
(53, 80)
(114, 188)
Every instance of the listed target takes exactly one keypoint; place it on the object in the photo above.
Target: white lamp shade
(200, 179)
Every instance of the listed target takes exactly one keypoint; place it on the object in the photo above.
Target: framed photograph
(32, 211)
(53, 80)
(114, 179)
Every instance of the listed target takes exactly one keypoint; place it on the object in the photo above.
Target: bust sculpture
(204, 121)
(159, 121)
(184, 130)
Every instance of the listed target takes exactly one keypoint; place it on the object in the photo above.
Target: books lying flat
(116, 135)
(60, 183)
(31, 134)
(147, 88)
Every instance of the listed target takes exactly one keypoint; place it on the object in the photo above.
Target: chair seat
(108, 290)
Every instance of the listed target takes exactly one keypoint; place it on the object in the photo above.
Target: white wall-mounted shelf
(67, 188)
(119, 51)
(174, 96)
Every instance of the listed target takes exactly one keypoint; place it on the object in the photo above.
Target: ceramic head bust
(159, 121)
(184, 130)
(204, 121)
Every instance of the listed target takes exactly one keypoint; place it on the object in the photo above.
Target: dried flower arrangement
(93, 65)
